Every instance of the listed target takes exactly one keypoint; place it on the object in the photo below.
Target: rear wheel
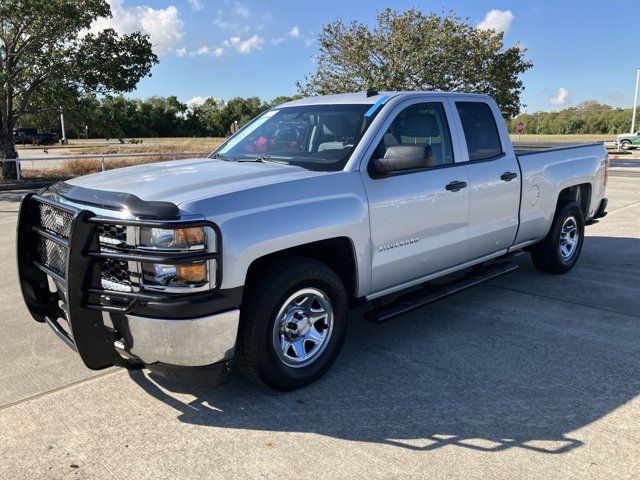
(293, 323)
(560, 249)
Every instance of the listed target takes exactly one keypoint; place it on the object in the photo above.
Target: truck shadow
(510, 364)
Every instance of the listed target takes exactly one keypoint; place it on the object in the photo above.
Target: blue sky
(581, 50)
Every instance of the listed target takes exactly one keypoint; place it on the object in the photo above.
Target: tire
(559, 251)
(625, 144)
(279, 343)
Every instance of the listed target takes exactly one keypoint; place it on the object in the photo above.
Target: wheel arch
(581, 194)
(337, 253)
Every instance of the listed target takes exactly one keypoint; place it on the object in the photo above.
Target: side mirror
(404, 157)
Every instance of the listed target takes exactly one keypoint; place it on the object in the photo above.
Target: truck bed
(546, 171)
(524, 148)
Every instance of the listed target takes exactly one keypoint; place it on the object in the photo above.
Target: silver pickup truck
(255, 254)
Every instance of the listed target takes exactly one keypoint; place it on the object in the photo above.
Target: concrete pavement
(527, 376)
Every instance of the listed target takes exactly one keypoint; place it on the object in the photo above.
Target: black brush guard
(84, 299)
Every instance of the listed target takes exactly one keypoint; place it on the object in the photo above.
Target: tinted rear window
(480, 130)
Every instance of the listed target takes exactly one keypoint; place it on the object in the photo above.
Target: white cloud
(196, 101)
(561, 97)
(293, 33)
(244, 46)
(242, 10)
(498, 20)
(181, 52)
(206, 50)
(162, 24)
(196, 5)
(225, 24)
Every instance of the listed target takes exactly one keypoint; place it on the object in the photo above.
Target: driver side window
(423, 124)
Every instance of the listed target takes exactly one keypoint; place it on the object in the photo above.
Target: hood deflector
(117, 201)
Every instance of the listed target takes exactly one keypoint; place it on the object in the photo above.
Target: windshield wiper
(223, 157)
(262, 159)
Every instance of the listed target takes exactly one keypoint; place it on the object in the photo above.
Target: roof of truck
(361, 97)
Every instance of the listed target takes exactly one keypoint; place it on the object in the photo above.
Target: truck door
(494, 178)
(419, 218)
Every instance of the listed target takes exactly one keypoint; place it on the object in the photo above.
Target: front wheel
(625, 145)
(559, 251)
(293, 323)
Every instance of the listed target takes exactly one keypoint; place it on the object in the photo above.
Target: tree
(417, 51)
(217, 116)
(47, 53)
(117, 116)
(590, 117)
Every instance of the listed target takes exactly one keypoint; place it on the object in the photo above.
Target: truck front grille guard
(72, 256)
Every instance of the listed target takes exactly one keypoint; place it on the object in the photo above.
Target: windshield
(317, 137)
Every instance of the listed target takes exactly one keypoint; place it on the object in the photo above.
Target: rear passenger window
(480, 130)
(423, 124)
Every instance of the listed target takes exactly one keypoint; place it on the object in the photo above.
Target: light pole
(64, 134)
(635, 103)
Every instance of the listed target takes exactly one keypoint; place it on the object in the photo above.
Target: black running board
(431, 293)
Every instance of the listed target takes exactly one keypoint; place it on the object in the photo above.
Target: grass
(137, 145)
(77, 167)
(155, 145)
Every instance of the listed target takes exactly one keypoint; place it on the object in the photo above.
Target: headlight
(174, 239)
(188, 275)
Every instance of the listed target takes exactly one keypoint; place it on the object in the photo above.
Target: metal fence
(103, 157)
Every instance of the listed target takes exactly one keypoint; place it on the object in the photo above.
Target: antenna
(371, 92)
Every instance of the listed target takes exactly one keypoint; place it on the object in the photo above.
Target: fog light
(191, 273)
(174, 275)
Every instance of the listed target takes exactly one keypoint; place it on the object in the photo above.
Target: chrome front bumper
(190, 343)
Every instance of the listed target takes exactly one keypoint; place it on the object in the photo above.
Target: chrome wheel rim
(303, 327)
(569, 238)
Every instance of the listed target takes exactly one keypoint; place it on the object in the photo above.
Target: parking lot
(527, 376)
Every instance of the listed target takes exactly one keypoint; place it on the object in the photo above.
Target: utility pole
(64, 135)
(635, 103)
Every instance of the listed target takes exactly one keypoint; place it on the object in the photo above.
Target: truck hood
(187, 180)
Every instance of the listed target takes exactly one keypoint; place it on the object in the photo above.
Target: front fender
(269, 219)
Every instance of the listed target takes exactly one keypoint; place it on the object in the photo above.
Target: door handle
(508, 176)
(455, 186)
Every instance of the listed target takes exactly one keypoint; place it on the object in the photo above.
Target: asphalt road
(527, 376)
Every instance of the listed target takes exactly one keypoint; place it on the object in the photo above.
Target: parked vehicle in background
(31, 136)
(256, 253)
(629, 141)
